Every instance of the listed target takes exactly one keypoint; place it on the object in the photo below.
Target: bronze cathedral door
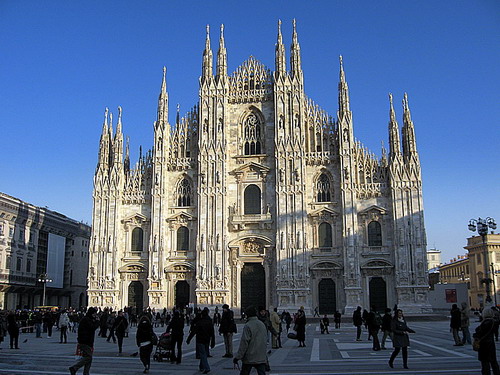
(253, 285)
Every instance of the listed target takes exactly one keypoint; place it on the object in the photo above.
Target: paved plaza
(431, 352)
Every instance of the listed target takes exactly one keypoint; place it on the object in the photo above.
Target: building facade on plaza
(484, 264)
(259, 197)
(433, 258)
(36, 241)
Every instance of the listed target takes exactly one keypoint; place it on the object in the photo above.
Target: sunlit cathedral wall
(259, 197)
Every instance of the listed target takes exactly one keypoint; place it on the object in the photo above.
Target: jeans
(176, 341)
(119, 337)
(466, 339)
(64, 334)
(38, 329)
(85, 361)
(246, 368)
(228, 343)
(485, 367)
(456, 337)
(358, 332)
(405, 355)
(203, 351)
(111, 335)
(376, 343)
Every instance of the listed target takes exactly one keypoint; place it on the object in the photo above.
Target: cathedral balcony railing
(325, 251)
(370, 250)
(241, 221)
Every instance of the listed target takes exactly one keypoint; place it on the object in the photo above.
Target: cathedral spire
(126, 162)
(394, 143)
(221, 56)
(104, 142)
(343, 91)
(177, 117)
(280, 53)
(409, 143)
(207, 58)
(295, 63)
(105, 123)
(119, 125)
(118, 140)
(162, 115)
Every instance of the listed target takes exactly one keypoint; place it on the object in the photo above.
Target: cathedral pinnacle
(207, 57)
(394, 143)
(343, 91)
(105, 124)
(177, 118)
(162, 115)
(280, 52)
(296, 68)
(409, 143)
(119, 125)
(221, 56)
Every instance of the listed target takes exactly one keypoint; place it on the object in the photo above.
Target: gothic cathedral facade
(259, 197)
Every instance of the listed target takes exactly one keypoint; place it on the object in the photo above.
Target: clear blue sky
(62, 62)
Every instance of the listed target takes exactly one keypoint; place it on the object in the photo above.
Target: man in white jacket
(63, 326)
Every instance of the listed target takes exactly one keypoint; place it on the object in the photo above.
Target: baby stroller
(163, 348)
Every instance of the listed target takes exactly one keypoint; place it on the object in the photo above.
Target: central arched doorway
(181, 294)
(378, 293)
(136, 296)
(327, 296)
(253, 285)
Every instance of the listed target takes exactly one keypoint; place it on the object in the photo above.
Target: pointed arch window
(323, 189)
(374, 234)
(183, 239)
(252, 200)
(325, 236)
(137, 240)
(252, 135)
(184, 193)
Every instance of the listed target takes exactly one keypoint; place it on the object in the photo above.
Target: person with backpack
(373, 321)
(357, 321)
(386, 326)
(227, 327)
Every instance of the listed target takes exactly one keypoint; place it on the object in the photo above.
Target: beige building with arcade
(257, 196)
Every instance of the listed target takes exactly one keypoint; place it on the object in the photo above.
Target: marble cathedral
(259, 197)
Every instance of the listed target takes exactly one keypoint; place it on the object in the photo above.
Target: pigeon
(134, 354)
(25, 341)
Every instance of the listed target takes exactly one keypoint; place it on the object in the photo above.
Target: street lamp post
(44, 279)
(482, 226)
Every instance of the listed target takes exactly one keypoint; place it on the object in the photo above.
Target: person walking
(85, 338)
(357, 321)
(227, 328)
(176, 328)
(300, 324)
(373, 321)
(63, 326)
(37, 321)
(465, 323)
(276, 324)
(48, 319)
(143, 338)
(13, 329)
(205, 336)
(386, 326)
(316, 312)
(252, 349)
(400, 339)
(485, 335)
(119, 327)
(110, 324)
(455, 323)
(337, 317)
(324, 323)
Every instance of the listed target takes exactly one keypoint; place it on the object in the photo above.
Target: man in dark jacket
(386, 326)
(86, 334)
(119, 327)
(373, 320)
(227, 328)
(357, 321)
(205, 336)
(456, 323)
(176, 327)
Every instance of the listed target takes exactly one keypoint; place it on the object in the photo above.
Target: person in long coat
(456, 323)
(120, 326)
(300, 324)
(400, 339)
(13, 330)
(143, 338)
(176, 327)
(487, 352)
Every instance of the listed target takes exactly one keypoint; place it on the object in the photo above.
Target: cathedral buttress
(291, 219)
(348, 170)
(212, 269)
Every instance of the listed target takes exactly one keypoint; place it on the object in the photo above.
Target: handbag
(292, 335)
(154, 339)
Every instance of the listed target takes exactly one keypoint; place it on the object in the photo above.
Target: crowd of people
(262, 328)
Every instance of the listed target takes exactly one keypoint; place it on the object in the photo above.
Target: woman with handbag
(400, 339)
(145, 338)
(484, 343)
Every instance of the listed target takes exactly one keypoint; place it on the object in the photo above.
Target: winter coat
(464, 316)
(386, 322)
(176, 326)
(276, 321)
(144, 332)
(485, 332)
(204, 331)
(456, 318)
(86, 330)
(357, 320)
(63, 320)
(400, 332)
(120, 325)
(300, 324)
(253, 343)
(227, 322)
